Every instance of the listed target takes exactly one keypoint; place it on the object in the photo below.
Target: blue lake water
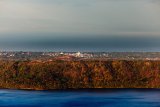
(81, 98)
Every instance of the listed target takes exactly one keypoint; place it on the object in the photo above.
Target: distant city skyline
(79, 25)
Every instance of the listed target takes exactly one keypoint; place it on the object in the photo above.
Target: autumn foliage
(59, 74)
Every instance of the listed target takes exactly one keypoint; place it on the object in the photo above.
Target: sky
(79, 25)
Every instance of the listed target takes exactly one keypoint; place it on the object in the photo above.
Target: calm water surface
(81, 98)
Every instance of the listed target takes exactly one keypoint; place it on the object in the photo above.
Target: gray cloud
(56, 22)
(80, 16)
(155, 1)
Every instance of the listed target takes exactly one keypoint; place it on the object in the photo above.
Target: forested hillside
(79, 74)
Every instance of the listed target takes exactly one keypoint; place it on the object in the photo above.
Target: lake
(81, 98)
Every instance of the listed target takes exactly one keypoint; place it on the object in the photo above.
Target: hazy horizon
(80, 25)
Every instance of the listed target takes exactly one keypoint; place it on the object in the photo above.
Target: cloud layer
(60, 19)
(79, 16)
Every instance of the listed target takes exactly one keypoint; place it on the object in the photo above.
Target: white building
(61, 53)
(78, 54)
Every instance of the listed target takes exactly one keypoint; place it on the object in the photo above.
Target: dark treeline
(79, 74)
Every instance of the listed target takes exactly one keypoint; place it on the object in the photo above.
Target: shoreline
(86, 89)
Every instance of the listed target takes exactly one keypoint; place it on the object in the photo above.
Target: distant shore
(76, 56)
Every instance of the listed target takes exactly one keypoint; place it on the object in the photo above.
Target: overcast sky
(51, 23)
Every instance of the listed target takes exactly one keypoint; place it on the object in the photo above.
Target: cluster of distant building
(14, 54)
(6, 54)
(74, 54)
(81, 55)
